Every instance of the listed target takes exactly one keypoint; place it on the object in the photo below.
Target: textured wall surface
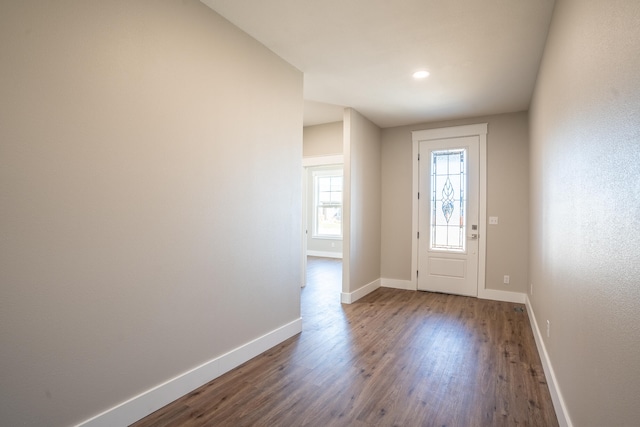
(585, 208)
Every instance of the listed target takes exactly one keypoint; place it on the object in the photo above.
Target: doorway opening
(322, 198)
(321, 208)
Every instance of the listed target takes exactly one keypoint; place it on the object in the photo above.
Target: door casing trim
(479, 130)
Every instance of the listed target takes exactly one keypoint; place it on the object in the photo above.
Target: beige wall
(129, 255)
(585, 208)
(362, 172)
(322, 140)
(507, 198)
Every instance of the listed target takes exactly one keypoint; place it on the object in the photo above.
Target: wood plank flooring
(393, 358)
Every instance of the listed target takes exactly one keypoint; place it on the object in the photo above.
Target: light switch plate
(493, 220)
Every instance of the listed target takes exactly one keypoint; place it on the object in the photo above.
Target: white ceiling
(483, 55)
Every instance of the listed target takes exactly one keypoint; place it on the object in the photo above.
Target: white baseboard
(554, 389)
(348, 298)
(398, 284)
(506, 296)
(153, 399)
(492, 294)
(325, 254)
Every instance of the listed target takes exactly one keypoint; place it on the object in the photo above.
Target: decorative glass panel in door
(448, 200)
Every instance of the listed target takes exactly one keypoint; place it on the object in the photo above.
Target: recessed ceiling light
(420, 74)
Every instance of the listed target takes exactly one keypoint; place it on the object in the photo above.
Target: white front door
(448, 215)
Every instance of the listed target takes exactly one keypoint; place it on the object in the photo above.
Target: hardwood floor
(393, 358)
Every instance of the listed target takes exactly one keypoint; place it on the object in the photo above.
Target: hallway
(392, 358)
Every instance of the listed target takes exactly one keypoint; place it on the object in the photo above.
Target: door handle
(473, 236)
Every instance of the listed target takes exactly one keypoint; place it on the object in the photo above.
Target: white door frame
(307, 162)
(479, 130)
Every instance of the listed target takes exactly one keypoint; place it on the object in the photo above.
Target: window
(327, 199)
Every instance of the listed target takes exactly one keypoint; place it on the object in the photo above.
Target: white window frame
(326, 173)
